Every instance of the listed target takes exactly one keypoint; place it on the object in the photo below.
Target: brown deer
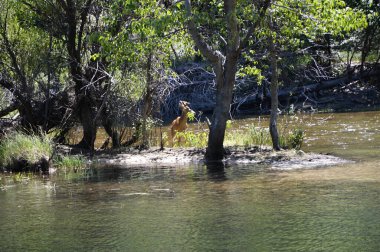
(180, 123)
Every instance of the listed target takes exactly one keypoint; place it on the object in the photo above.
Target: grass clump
(19, 149)
(69, 162)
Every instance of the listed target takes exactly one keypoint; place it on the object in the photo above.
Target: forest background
(124, 63)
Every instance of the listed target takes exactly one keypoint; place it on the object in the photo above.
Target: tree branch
(245, 40)
(206, 50)
(8, 110)
(233, 39)
(84, 14)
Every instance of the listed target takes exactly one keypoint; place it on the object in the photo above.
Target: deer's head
(185, 107)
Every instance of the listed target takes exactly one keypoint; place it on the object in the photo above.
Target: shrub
(292, 140)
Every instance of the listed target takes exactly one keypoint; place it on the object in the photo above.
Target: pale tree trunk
(274, 96)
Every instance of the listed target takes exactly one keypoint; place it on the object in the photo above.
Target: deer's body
(180, 123)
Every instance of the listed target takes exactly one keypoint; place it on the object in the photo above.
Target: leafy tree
(221, 30)
(77, 24)
(370, 35)
(288, 21)
(150, 31)
(26, 60)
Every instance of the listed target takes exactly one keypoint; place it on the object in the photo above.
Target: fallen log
(295, 92)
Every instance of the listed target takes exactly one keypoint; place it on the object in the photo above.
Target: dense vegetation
(123, 63)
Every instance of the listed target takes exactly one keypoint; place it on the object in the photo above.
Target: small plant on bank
(73, 163)
(294, 139)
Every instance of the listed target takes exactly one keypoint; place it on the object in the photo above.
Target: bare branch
(8, 110)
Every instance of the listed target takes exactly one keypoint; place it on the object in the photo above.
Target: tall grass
(20, 146)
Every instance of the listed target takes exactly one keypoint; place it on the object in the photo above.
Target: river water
(243, 208)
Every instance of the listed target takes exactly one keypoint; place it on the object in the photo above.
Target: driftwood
(296, 92)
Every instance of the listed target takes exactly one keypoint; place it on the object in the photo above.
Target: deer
(180, 123)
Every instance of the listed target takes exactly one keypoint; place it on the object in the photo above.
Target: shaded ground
(285, 159)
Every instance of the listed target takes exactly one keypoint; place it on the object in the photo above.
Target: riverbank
(175, 157)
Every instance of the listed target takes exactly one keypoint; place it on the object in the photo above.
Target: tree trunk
(86, 104)
(110, 130)
(147, 106)
(87, 115)
(274, 97)
(225, 81)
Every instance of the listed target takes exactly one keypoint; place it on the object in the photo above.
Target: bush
(21, 152)
(292, 140)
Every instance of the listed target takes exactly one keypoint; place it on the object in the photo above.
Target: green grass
(247, 136)
(19, 146)
(69, 162)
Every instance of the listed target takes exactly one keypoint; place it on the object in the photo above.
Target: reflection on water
(200, 208)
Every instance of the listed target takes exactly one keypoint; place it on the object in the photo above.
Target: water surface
(243, 208)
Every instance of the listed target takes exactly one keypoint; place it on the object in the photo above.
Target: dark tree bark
(147, 106)
(274, 96)
(85, 103)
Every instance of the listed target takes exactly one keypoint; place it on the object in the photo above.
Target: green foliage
(146, 27)
(191, 139)
(252, 136)
(69, 162)
(191, 116)
(19, 146)
(292, 140)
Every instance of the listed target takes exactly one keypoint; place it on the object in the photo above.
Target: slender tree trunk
(147, 106)
(274, 96)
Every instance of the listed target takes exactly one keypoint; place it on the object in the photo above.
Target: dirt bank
(282, 160)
